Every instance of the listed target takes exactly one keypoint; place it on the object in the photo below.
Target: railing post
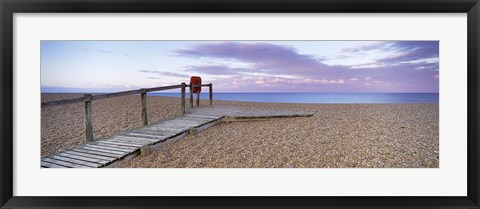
(143, 97)
(210, 93)
(88, 118)
(183, 98)
(191, 95)
(198, 95)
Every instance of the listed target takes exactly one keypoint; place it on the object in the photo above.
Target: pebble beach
(337, 136)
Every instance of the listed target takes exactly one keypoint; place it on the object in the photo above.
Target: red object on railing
(196, 83)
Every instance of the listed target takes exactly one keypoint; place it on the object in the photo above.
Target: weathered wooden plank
(149, 133)
(206, 116)
(127, 141)
(105, 96)
(93, 156)
(143, 130)
(150, 140)
(177, 127)
(75, 161)
(133, 140)
(180, 124)
(126, 158)
(88, 118)
(202, 116)
(182, 100)
(143, 98)
(116, 94)
(136, 138)
(198, 98)
(166, 129)
(93, 152)
(186, 119)
(193, 120)
(153, 132)
(126, 148)
(62, 163)
(191, 95)
(207, 125)
(146, 135)
(175, 121)
(210, 93)
(50, 165)
(103, 150)
(155, 135)
(88, 159)
(271, 116)
(164, 88)
(156, 131)
(117, 143)
(107, 148)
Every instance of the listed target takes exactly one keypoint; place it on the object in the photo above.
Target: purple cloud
(412, 50)
(180, 75)
(364, 48)
(215, 70)
(266, 56)
(105, 52)
(405, 51)
(283, 68)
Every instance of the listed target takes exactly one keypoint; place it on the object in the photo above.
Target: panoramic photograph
(239, 104)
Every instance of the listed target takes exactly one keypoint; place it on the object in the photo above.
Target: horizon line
(206, 92)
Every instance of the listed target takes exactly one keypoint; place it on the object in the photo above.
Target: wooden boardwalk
(110, 151)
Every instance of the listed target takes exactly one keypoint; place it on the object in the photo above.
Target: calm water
(342, 98)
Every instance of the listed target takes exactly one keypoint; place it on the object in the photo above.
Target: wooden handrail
(88, 98)
(63, 102)
(161, 88)
(108, 95)
(116, 94)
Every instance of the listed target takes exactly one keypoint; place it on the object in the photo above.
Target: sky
(242, 66)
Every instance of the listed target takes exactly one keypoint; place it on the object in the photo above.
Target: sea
(319, 98)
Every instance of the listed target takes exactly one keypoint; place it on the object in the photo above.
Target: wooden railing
(88, 98)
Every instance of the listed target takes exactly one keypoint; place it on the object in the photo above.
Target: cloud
(409, 63)
(260, 56)
(367, 47)
(339, 81)
(170, 74)
(180, 75)
(317, 81)
(405, 50)
(411, 55)
(411, 51)
(105, 52)
(215, 70)
(269, 81)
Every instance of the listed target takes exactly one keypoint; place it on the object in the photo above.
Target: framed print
(195, 104)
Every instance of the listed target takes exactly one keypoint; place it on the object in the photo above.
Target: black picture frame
(9, 7)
